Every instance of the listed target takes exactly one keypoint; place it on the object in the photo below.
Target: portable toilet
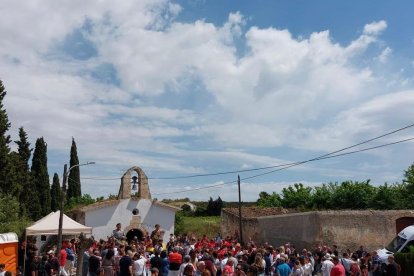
(8, 251)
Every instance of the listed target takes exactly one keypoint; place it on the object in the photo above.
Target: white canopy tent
(49, 225)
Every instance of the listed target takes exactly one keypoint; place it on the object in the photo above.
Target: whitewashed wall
(103, 220)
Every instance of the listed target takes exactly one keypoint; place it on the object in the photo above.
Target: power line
(332, 156)
(292, 165)
(263, 168)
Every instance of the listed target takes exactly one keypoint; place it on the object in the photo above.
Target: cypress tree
(74, 185)
(24, 177)
(41, 178)
(5, 140)
(55, 193)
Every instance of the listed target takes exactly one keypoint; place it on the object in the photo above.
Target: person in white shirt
(307, 267)
(138, 266)
(224, 261)
(327, 265)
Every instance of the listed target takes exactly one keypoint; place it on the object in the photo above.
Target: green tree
(409, 182)
(41, 178)
(10, 220)
(297, 196)
(267, 200)
(55, 193)
(79, 201)
(218, 205)
(210, 207)
(5, 140)
(384, 198)
(353, 195)
(74, 184)
(322, 196)
(24, 177)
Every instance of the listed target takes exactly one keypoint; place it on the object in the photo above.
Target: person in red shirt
(175, 260)
(62, 260)
(338, 269)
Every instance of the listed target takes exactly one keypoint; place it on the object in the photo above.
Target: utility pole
(240, 213)
(62, 203)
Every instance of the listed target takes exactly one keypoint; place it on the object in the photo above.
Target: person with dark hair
(239, 271)
(338, 269)
(94, 263)
(138, 265)
(8, 273)
(165, 263)
(44, 268)
(189, 270)
(70, 258)
(154, 271)
(2, 269)
(156, 234)
(125, 264)
(156, 262)
(117, 233)
(33, 265)
(354, 269)
(108, 263)
(376, 264)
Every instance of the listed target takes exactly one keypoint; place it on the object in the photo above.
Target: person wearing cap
(327, 265)
(338, 269)
(175, 259)
(54, 262)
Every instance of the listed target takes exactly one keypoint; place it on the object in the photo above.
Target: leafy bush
(75, 202)
(10, 221)
(406, 261)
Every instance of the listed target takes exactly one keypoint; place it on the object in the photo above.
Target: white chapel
(137, 214)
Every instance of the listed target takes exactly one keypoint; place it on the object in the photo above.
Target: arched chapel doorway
(131, 234)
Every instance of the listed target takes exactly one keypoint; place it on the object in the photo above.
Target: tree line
(25, 190)
(344, 195)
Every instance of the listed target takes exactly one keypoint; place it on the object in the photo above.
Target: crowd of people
(203, 256)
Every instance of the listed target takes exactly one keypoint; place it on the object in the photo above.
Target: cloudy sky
(197, 87)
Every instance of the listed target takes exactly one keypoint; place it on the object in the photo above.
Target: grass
(199, 226)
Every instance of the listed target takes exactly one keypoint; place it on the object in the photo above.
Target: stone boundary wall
(347, 228)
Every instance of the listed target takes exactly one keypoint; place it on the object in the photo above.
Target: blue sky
(196, 87)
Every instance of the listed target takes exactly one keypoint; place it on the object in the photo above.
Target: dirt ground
(253, 212)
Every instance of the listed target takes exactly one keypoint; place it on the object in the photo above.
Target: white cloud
(383, 57)
(304, 93)
(375, 28)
